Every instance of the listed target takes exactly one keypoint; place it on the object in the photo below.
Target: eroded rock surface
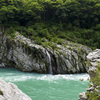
(83, 96)
(23, 54)
(94, 58)
(9, 91)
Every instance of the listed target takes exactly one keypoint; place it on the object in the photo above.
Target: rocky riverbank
(93, 92)
(24, 54)
(9, 91)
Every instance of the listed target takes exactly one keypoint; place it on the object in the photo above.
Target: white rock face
(9, 91)
(94, 57)
(83, 96)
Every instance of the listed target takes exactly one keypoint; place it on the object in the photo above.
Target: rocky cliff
(24, 54)
(9, 91)
(93, 92)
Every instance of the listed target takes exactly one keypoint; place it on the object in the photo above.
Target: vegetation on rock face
(96, 92)
(97, 78)
(74, 20)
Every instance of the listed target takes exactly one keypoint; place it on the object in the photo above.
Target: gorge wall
(93, 92)
(24, 54)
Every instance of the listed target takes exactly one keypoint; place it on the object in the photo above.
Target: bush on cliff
(96, 93)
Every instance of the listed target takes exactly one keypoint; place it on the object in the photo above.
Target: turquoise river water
(46, 87)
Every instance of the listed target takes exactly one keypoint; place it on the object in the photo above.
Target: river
(47, 87)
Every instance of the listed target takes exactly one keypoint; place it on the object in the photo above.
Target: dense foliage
(74, 20)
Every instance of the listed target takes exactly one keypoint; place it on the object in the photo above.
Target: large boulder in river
(9, 91)
(24, 54)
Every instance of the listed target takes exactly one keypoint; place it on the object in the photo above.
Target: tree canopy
(82, 17)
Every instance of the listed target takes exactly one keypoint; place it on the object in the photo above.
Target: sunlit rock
(9, 91)
(94, 58)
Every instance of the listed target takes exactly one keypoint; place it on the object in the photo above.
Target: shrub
(38, 40)
(96, 81)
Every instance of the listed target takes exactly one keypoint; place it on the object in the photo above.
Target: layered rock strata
(24, 54)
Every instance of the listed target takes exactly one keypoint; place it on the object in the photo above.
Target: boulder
(82, 96)
(9, 91)
(94, 57)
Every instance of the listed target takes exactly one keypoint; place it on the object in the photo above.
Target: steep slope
(93, 92)
(24, 54)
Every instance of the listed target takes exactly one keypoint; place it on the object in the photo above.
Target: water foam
(74, 77)
(43, 87)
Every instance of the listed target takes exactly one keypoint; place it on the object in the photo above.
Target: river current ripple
(47, 87)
